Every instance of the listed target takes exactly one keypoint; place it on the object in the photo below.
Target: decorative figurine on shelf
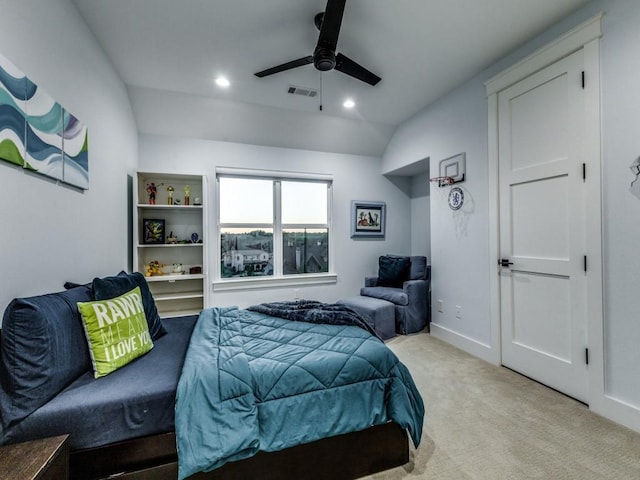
(177, 268)
(151, 191)
(171, 239)
(154, 269)
(194, 237)
(187, 194)
(170, 191)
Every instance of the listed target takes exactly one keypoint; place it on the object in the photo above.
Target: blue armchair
(405, 282)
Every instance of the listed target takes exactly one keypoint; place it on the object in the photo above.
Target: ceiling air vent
(304, 91)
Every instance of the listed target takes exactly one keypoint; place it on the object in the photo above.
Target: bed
(124, 423)
(280, 383)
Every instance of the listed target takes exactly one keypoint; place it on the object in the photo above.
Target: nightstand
(45, 459)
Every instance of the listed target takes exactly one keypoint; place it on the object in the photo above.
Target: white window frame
(278, 279)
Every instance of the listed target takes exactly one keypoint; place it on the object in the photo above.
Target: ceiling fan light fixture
(324, 59)
(222, 82)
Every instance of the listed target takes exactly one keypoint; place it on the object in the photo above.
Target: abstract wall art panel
(13, 91)
(44, 135)
(37, 133)
(75, 145)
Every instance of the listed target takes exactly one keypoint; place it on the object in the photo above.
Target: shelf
(148, 206)
(177, 296)
(172, 278)
(169, 245)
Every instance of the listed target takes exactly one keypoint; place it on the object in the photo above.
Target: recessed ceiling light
(222, 82)
(348, 103)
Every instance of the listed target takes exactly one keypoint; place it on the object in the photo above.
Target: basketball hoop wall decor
(451, 170)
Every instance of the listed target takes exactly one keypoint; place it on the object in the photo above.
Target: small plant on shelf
(153, 269)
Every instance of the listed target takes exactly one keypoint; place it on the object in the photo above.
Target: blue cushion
(111, 287)
(379, 314)
(418, 269)
(42, 350)
(393, 295)
(393, 270)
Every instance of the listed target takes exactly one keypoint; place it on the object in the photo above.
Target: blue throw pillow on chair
(418, 270)
(393, 270)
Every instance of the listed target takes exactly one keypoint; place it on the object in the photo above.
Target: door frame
(586, 37)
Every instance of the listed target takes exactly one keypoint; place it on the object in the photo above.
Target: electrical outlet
(440, 306)
(296, 294)
(458, 311)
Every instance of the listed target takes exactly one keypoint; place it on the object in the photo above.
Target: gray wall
(621, 210)
(51, 233)
(460, 256)
(355, 177)
(421, 215)
(459, 240)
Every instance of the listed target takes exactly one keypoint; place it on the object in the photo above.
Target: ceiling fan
(324, 56)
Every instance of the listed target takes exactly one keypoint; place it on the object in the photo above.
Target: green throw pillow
(117, 331)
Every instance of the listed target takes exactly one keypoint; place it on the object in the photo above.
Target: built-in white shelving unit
(181, 289)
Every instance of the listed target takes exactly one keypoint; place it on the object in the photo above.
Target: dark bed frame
(342, 457)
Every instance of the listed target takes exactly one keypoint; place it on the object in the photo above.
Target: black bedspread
(312, 311)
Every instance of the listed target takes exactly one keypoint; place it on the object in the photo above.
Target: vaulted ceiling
(421, 49)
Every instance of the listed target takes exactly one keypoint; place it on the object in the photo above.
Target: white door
(542, 227)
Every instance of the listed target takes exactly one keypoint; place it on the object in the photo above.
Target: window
(273, 226)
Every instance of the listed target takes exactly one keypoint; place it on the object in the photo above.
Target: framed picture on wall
(368, 219)
(152, 231)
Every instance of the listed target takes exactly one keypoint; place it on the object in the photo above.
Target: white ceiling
(422, 49)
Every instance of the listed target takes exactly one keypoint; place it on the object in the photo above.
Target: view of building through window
(246, 252)
(305, 251)
(249, 220)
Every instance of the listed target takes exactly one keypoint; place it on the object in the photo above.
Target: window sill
(261, 283)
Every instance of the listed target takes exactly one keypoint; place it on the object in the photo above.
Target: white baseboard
(618, 411)
(467, 344)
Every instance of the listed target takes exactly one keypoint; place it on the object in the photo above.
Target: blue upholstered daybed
(125, 421)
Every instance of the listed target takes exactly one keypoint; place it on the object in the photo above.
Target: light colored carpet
(486, 422)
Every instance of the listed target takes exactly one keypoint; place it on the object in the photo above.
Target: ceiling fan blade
(331, 22)
(345, 65)
(285, 66)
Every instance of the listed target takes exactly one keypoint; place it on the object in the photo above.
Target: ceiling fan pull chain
(320, 91)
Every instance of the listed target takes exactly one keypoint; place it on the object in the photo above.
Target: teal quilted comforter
(253, 382)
